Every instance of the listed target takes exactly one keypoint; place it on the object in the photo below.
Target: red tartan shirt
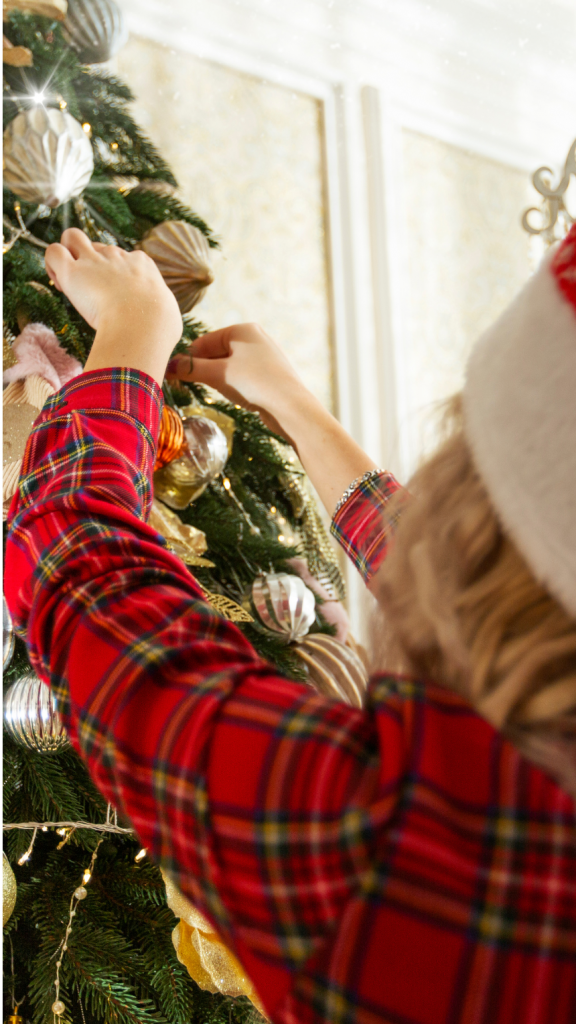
(402, 863)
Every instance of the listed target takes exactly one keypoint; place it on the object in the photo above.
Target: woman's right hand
(245, 365)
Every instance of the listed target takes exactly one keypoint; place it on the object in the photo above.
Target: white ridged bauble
(96, 29)
(284, 604)
(47, 156)
(182, 255)
(334, 669)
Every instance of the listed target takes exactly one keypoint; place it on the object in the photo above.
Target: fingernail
(173, 365)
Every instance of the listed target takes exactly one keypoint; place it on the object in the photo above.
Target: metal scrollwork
(555, 219)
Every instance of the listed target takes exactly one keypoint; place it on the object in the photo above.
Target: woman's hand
(123, 296)
(249, 368)
(245, 365)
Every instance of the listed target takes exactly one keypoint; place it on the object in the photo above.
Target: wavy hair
(463, 608)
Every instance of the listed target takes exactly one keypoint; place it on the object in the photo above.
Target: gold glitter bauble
(182, 255)
(208, 961)
(335, 670)
(9, 891)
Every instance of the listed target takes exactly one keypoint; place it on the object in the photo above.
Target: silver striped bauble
(47, 156)
(7, 635)
(284, 604)
(95, 29)
(31, 717)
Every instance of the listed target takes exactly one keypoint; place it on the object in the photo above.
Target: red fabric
(397, 865)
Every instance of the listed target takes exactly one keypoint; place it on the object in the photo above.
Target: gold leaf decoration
(45, 8)
(228, 608)
(16, 56)
(184, 540)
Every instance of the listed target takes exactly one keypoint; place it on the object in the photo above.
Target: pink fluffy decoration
(38, 351)
(334, 612)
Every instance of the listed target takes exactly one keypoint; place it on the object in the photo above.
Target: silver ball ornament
(284, 604)
(7, 635)
(186, 477)
(47, 156)
(31, 717)
(95, 29)
(182, 255)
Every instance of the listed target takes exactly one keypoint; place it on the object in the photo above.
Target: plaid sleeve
(257, 796)
(362, 523)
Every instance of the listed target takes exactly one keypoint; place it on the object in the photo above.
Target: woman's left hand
(123, 296)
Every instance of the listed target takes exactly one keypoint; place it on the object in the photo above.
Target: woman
(412, 862)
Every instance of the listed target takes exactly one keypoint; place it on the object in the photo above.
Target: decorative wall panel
(248, 157)
(465, 256)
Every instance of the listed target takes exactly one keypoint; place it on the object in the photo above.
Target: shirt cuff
(121, 388)
(362, 523)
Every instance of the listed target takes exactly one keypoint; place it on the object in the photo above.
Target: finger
(200, 371)
(77, 243)
(58, 262)
(213, 345)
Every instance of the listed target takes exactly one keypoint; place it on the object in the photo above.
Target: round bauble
(95, 29)
(284, 604)
(182, 255)
(30, 716)
(7, 635)
(334, 669)
(47, 156)
(8, 890)
(187, 476)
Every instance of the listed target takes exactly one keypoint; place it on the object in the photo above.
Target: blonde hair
(465, 610)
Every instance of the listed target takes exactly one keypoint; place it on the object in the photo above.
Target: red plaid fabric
(402, 864)
(363, 524)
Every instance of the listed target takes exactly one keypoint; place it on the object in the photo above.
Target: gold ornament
(226, 423)
(15, 1018)
(45, 8)
(227, 608)
(182, 255)
(284, 604)
(16, 427)
(8, 890)
(335, 670)
(48, 157)
(171, 442)
(8, 355)
(208, 961)
(15, 56)
(185, 541)
(186, 477)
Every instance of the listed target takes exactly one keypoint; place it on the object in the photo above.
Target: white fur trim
(520, 417)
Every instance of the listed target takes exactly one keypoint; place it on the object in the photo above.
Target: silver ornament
(95, 29)
(7, 635)
(186, 477)
(335, 670)
(182, 255)
(47, 156)
(30, 716)
(284, 604)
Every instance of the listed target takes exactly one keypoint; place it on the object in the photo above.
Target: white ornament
(47, 156)
(284, 604)
(96, 29)
(182, 255)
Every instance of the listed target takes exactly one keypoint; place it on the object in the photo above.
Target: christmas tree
(89, 930)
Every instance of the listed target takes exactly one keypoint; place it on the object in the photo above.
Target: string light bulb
(63, 104)
(86, 876)
(226, 483)
(24, 857)
(87, 127)
(140, 855)
(38, 98)
(113, 145)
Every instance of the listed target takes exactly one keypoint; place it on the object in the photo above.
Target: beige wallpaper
(248, 157)
(465, 256)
